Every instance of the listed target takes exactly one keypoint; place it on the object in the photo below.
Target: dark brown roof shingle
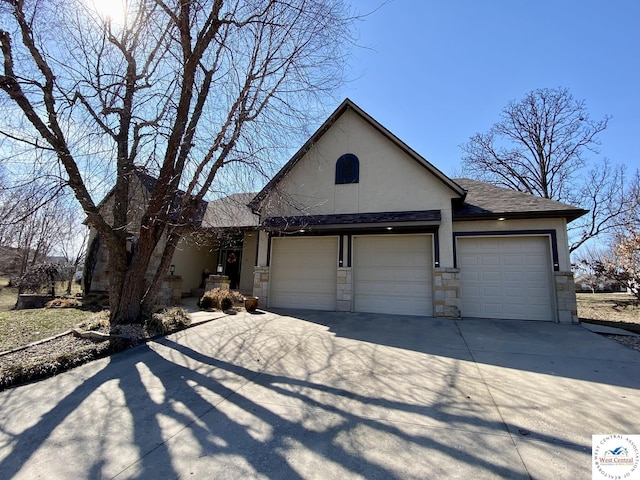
(487, 201)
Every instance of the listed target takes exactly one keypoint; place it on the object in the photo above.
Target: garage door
(393, 274)
(505, 277)
(304, 273)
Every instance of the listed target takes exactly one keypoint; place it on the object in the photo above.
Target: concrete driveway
(327, 395)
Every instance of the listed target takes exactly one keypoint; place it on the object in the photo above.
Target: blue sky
(435, 73)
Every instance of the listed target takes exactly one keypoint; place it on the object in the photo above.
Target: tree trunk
(127, 283)
(125, 297)
(173, 237)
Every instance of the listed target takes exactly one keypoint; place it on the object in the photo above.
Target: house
(222, 230)
(593, 283)
(357, 221)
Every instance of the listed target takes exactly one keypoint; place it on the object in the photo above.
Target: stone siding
(566, 302)
(446, 292)
(217, 281)
(344, 292)
(170, 291)
(261, 285)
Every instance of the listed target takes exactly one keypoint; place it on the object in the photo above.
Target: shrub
(155, 325)
(220, 299)
(95, 301)
(177, 318)
(226, 303)
(42, 276)
(170, 320)
(206, 302)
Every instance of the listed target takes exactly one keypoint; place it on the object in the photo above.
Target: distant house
(589, 283)
(357, 221)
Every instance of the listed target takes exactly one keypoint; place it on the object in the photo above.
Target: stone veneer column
(344, 294)
(446, 292)
(261, 285)
(217, 281)
(566, 302)
(170, 291)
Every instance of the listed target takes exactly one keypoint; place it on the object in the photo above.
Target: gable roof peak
(347, 104)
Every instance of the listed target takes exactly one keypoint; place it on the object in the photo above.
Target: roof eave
(570, 215)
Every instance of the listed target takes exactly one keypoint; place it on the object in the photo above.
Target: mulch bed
(50, 357)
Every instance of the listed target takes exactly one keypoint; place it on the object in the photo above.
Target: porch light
(172, 269)
(219, 269)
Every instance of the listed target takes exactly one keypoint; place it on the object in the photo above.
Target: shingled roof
(485, 201)
(230, 212)
(149, 182)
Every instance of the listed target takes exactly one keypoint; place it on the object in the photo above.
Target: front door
(231, 261)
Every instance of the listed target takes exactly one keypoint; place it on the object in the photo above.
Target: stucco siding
(190, 259)
(249, 246)
(390, 179)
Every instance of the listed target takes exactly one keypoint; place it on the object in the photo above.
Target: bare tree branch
(539, 146)
(185, 89)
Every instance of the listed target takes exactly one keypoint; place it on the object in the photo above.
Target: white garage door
(393, 274)
(303, 273)
(505, 277)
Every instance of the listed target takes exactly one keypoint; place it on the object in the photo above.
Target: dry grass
(612, 309)
(21, 327)
(615, 307)
(8, 296)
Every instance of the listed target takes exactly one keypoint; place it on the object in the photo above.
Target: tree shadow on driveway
(267, 397)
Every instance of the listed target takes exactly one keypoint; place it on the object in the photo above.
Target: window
(347, 169)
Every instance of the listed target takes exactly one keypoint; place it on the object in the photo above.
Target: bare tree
(539, 146)
(600, 190)
(621, 261)
(71, 240)
(585, 269)
(182, 88)
(30, 224)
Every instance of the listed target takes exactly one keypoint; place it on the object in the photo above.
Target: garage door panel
(471, 276)
(304, 273)
(489, 260)
(512, 276)
(514, 294)
(393, 274)
(506, 277)
(491, 291)
(514, 261)
(540, 277)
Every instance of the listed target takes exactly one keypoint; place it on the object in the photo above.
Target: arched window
(347, 169)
